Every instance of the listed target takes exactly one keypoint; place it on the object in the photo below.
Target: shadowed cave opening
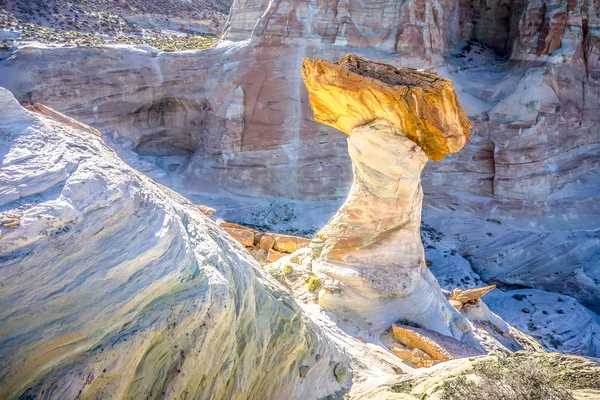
(495, 23)
(174, 126)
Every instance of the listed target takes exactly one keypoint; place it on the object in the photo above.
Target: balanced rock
(459, 298)
(396, 119)
(356, 91)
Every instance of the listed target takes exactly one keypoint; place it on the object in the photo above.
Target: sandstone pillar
(371, 251)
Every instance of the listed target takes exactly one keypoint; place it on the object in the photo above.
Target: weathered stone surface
(274, 255)
(356, 91)
(266, 242)
(159, 298)
(208, 211)
(415, 340)
(288, 243)
(244, 236)
(470, 295)
(533, 155)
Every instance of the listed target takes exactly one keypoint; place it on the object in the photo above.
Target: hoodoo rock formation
(519, 202)
(396, 119)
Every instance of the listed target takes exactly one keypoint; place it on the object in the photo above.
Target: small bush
(288, 269)
(314, 283)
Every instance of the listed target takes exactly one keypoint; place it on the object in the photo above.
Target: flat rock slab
(356, 91)
(438, 346)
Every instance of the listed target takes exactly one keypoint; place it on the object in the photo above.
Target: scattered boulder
(225, 224)
(274, 255)
(208, 211)
(266, 242)
(340, 372)
(289, 244)
(421, 359)
(273, 245)
(304, 371)
(457, 304)
(12, 221)
(415, 340)
(401, 351)
(244, 236)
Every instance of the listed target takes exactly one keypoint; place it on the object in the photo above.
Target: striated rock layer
(372, 246)
(112, 286)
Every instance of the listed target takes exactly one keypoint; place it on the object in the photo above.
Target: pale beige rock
(12, 221)
(288, 243)
(274, 255)
(470, 295)
(244, 236)
(401, 351)
(415, 340)
(208, 211)
(266, 242)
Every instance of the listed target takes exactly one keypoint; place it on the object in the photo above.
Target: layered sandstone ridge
(113, 286)
(371, 248)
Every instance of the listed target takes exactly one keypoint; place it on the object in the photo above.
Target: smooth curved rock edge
(113, 286)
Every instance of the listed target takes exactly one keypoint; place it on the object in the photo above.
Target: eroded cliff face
(520, 199)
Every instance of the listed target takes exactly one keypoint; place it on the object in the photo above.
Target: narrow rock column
(370, 253)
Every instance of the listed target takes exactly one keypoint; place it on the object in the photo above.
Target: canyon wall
(520, 199)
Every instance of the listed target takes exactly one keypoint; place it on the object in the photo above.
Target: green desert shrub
(314, 283)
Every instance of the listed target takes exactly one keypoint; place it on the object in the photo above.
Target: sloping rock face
(532, 160)
(112, 286)
(372, 246)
